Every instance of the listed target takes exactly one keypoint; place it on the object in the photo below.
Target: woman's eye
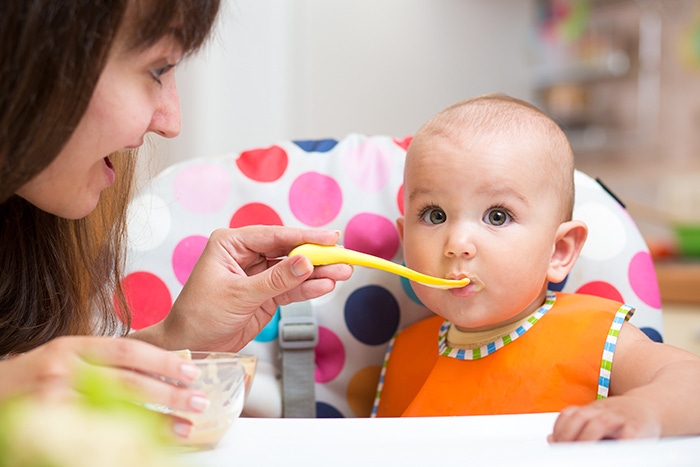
(159, 72)
(434, 216)
(497, 217)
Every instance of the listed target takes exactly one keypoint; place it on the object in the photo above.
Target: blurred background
(622, 77)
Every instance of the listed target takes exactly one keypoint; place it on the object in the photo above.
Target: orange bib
(555, 364)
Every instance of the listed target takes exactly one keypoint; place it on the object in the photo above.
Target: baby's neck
(465, 338)
(468, 340)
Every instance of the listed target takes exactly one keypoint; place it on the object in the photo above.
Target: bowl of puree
(225, 378)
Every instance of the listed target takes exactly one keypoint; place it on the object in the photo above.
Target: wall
(281, 69)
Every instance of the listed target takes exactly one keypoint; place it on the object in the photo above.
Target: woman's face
(135, 94)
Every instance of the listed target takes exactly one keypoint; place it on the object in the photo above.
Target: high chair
(331, 363)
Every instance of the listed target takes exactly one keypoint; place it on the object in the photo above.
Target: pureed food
(225, 378)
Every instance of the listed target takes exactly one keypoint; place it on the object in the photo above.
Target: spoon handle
(321, 254)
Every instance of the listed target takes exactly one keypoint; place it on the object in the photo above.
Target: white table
(513, 440)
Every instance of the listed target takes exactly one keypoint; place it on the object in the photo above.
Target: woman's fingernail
(182, 430)
(199, 403)
(189, 371)
(301, 267)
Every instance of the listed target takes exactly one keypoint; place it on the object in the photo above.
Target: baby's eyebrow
(496, 192)
(506, 191)
(419, 192)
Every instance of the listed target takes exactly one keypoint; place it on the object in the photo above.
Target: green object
(576, 21)
(688, 239)
(101, 428)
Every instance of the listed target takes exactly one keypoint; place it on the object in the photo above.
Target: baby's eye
(434, 216)
(497, 217)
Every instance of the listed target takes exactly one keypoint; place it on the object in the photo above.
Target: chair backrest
(353, 185)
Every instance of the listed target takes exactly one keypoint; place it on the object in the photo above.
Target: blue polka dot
(372, 314)
(324, 410)
(318, 145)
(558, 286)
(270, 332)
(652, 334)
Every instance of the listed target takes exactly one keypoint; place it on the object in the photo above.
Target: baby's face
(482, 210)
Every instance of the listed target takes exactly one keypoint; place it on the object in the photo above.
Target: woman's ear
(399, 227)
(568, 243)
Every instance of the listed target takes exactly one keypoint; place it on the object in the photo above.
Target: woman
(81, 83)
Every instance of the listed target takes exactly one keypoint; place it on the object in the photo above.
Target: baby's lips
(474, 282)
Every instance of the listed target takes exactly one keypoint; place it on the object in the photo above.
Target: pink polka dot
(399, 200)
(148, 298)
(202, 188)
(368, 165)
(255, 214)
(403, 143)
(601, 289)
(186, 254)
(642, 277)
(263, 165)
(329, 355)
(315, 199)
(372, 234)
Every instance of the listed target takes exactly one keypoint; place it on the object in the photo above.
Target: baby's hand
(619, 417)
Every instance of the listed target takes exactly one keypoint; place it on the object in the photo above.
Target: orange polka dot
(362, 388)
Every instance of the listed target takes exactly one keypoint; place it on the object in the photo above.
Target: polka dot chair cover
(353, 185)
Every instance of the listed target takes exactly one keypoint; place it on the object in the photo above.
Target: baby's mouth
(475, 284)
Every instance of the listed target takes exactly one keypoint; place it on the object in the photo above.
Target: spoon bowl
(320, 255)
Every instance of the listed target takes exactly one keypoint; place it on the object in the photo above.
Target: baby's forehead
(535, 151)
(471, 139)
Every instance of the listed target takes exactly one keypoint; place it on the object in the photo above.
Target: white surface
(307, 69)
(513, 440)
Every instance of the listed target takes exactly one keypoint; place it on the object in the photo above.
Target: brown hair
(60, 276)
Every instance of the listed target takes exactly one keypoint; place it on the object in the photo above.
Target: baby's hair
(484, 117)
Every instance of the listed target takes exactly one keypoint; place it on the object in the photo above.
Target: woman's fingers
(145, 388)
(150, 373)
(248, 245)
(139, 356)
(62, 368)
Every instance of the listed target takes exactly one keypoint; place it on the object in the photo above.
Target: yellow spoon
(321, 254)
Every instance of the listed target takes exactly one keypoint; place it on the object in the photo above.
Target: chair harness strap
(298, 336)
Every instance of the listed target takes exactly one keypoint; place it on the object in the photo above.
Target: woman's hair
(60, 276)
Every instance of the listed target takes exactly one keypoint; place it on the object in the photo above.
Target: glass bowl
(225, 378)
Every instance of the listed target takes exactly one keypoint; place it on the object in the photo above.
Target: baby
(489, 194)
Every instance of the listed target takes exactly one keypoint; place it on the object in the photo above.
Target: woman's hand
(237, 285)
(53, 372)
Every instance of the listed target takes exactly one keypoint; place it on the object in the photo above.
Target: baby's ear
(399, 227)
(568, 243)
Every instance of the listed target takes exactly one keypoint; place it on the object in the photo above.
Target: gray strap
(298, 336)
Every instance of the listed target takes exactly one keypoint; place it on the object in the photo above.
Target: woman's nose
(166, 117)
